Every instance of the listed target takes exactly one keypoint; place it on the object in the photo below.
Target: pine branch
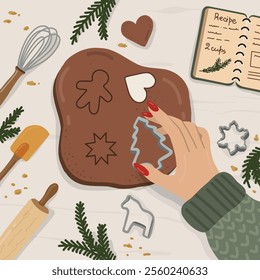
(6, 129)
(99, 10)
(10, 133)
(107, 7)
(251, 167)
(103, 241)
(78, 248)
(81, 220)
(218, 65)
(86, 21)
(96, 250)
(256, 175)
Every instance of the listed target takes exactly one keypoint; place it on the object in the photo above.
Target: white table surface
(171, 47)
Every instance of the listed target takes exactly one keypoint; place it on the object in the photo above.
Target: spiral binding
(240, 53)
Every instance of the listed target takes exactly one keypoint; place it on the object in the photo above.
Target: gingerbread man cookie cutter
(145, 218)
(161, 138)
(225, 145)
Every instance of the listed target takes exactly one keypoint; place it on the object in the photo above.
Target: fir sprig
(251, 167)
(6, 129)
(100, 10)
(89, 247)
(217, 66)
(103, 243)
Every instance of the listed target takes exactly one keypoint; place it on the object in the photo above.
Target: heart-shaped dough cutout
(138, 32)
(137, 84)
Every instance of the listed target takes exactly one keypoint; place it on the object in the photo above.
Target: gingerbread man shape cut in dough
(95, 92)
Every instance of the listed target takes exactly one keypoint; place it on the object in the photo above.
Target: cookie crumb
(18, 191)
(131, 238)
(25, 188)
(140, 248)
(256, 137)
(121, 45)
(31, 83)
(234, 168)
(6, 196)
(254, 191)
(146, 254)
(13, 184)
(127, 255)
(7, 21)
(26, 28)
(25, 175)
(128, 245)
(13, 13)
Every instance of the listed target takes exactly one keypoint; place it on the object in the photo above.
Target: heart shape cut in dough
(137, 84)
(138, 32)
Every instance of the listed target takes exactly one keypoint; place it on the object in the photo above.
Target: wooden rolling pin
(24, 225)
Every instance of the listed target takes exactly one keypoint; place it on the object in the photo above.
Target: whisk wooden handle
(7, 87)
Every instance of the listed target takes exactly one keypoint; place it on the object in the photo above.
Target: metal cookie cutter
(225, 145)
(161, 138)
(137, 216)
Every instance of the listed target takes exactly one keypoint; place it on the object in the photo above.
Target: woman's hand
(195, 165)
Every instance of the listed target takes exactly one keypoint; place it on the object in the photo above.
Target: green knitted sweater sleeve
(229, 217)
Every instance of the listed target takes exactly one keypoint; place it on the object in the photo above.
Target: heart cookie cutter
(161, 138)
(226, 145)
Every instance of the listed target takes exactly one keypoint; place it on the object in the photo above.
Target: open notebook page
(219, 38)
(250, 77)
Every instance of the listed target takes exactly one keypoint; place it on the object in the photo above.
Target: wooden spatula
(25, 146)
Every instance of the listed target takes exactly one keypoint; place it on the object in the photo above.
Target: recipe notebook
(228, 49)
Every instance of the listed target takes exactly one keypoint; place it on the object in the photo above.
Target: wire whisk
(39, 46)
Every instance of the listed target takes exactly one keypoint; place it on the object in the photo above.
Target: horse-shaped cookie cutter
(145, 218)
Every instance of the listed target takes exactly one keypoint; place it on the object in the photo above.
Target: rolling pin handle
(51, 191)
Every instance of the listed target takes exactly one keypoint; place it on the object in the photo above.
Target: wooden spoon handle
(9, 166)
(51, 191)
(7, 87)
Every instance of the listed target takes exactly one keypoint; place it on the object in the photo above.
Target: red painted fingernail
(152, 106)
(141, 169)
(147, 114)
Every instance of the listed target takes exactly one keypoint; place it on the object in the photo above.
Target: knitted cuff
(220, 195)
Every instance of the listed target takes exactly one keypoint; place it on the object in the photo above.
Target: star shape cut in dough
(101, 149)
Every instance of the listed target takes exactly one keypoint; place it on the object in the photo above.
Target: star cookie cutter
(145, 218)
(237, 147)
(161, 138)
